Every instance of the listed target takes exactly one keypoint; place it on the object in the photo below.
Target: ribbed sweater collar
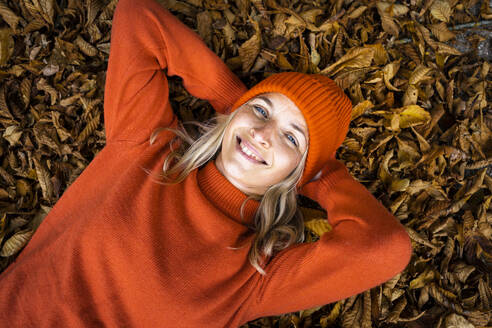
(224, 195)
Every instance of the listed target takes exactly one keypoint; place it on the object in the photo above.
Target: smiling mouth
(248, 154)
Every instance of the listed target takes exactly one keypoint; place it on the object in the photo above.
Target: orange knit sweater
(119, 250)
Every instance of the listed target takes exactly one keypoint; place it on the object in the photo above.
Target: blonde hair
(278, 222)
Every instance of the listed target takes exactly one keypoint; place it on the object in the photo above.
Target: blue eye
(261, 111)
(291, 139)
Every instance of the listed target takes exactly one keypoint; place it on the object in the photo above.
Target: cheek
(288, 158)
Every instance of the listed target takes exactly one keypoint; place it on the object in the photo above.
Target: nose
(262, 135)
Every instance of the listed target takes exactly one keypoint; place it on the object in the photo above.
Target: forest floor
(419, 77)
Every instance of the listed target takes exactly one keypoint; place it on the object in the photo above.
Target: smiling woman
(263, 143)
(280, 133)
(216, 242)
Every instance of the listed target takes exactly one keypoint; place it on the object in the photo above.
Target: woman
(215, 242)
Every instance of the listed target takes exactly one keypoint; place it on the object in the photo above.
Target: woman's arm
(147, 39)
(366, 247)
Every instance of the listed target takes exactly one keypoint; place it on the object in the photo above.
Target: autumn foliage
(418, 75)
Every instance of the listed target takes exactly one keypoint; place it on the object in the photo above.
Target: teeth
(249, 153)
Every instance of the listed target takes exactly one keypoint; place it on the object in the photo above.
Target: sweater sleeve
(366, 247)
(146, 40)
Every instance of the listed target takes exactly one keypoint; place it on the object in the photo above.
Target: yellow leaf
(31, 174)
(318, 226)
(413, 115)
(425, 277)
(283, 63)
(361, 108)
(399, 185)
(15, 243)
(22, 187)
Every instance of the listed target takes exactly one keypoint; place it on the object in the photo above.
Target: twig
(455, 28)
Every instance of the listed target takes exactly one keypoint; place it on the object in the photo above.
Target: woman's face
(263, 143)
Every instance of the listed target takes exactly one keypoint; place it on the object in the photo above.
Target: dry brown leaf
(332, 316)
(12, 134)
(204, 26)
(366, 314)
(419, 74)
(6, 46)
(62, 132)
(394, 315)
(389, 71)
(93, 8)
(43, 179)
(441, 10)
(15, 243)
(249, 50)
(25, 87)
(387, 21)
(85, 47)
(354, 58)
(89, 129)
(9, 16)
(411, 95)
(457, 321)
(442, 32)
(447, 49)
(357, 12)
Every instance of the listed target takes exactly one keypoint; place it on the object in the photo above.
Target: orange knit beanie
(326, 109)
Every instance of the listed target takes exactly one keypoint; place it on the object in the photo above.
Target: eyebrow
(265, 99)
(295, 126)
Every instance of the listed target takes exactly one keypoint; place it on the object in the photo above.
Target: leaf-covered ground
(418, 75)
